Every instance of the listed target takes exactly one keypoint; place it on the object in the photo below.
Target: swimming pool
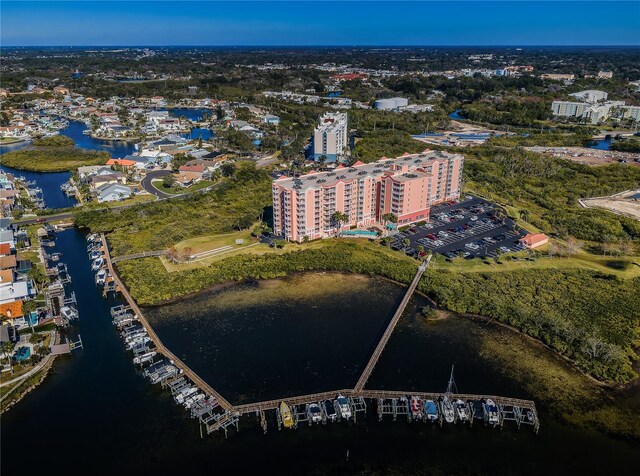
(23, 353)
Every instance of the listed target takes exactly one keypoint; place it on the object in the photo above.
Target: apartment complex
(406, 186)
(330, 137)
(593, 113)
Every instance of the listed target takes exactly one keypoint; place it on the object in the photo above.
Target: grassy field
(177, 190)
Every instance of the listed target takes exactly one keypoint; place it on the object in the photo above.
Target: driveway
(148, 186)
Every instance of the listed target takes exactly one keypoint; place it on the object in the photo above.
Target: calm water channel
(50, 182)
(96, 414)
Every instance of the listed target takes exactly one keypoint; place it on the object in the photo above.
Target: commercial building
(534, 240)
(391, 104)
(406, 187)
(330, 137)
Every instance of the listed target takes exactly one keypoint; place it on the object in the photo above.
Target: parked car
(474, 218)
(505, 249)
(431, 236)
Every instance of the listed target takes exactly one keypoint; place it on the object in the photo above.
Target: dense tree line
(53, 159)
(549, 188)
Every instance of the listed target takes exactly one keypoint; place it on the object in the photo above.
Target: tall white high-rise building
(330, 137)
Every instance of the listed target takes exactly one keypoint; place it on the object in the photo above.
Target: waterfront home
(86, 172)
(7, 236)
(8, 262)
(6, 276)
(97, 181)
(18, 290)
(124, 163)
(534, 240)
(11, 310)
(113, 191)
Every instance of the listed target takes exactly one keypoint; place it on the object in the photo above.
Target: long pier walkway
(389, 402)
(366, 373)
(195, 378)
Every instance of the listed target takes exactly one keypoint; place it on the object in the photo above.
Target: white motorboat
(144, 358)
(185, 394)
(461, 410)
(314, 413)
(95, 255)
(189, 402)
(342, 404)
(69, 313)
(101, 277)
(138, 341)
(447, 410)
(491, 412)
(97, 264)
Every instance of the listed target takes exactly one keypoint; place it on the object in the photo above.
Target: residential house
(97, 181)
(11, 310)
(111, 192)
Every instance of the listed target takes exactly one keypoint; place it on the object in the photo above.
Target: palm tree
(389, 218)
(338, 219)
(7, 347)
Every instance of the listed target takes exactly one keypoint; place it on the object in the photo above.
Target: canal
(95, 414)
(50, 182)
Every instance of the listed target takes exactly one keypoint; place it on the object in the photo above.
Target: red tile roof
(533, 239)
(11, 309)
(5, 249)
(121, 162)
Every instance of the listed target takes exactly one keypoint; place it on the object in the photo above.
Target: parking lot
(468, 228)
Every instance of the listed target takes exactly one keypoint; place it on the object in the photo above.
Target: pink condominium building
(406, 186)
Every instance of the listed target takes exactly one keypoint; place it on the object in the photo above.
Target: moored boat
(430, 410)
(69, 313)
(285, 414)
(491, 412)
(97, 264)
(344, 410)
(314, 413)
(101, 277)
(416, 407)
(461, 410)
(330, 410)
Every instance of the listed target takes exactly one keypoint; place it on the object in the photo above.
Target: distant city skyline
(321, 23)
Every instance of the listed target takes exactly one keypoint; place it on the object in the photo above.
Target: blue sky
(70, 23)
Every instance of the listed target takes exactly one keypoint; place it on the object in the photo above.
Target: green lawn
(177, 190)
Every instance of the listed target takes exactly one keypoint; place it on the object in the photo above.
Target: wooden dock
(195, 378)
(510, 409)
(366, 373)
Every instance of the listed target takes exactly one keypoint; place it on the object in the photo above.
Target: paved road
(148, 186)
